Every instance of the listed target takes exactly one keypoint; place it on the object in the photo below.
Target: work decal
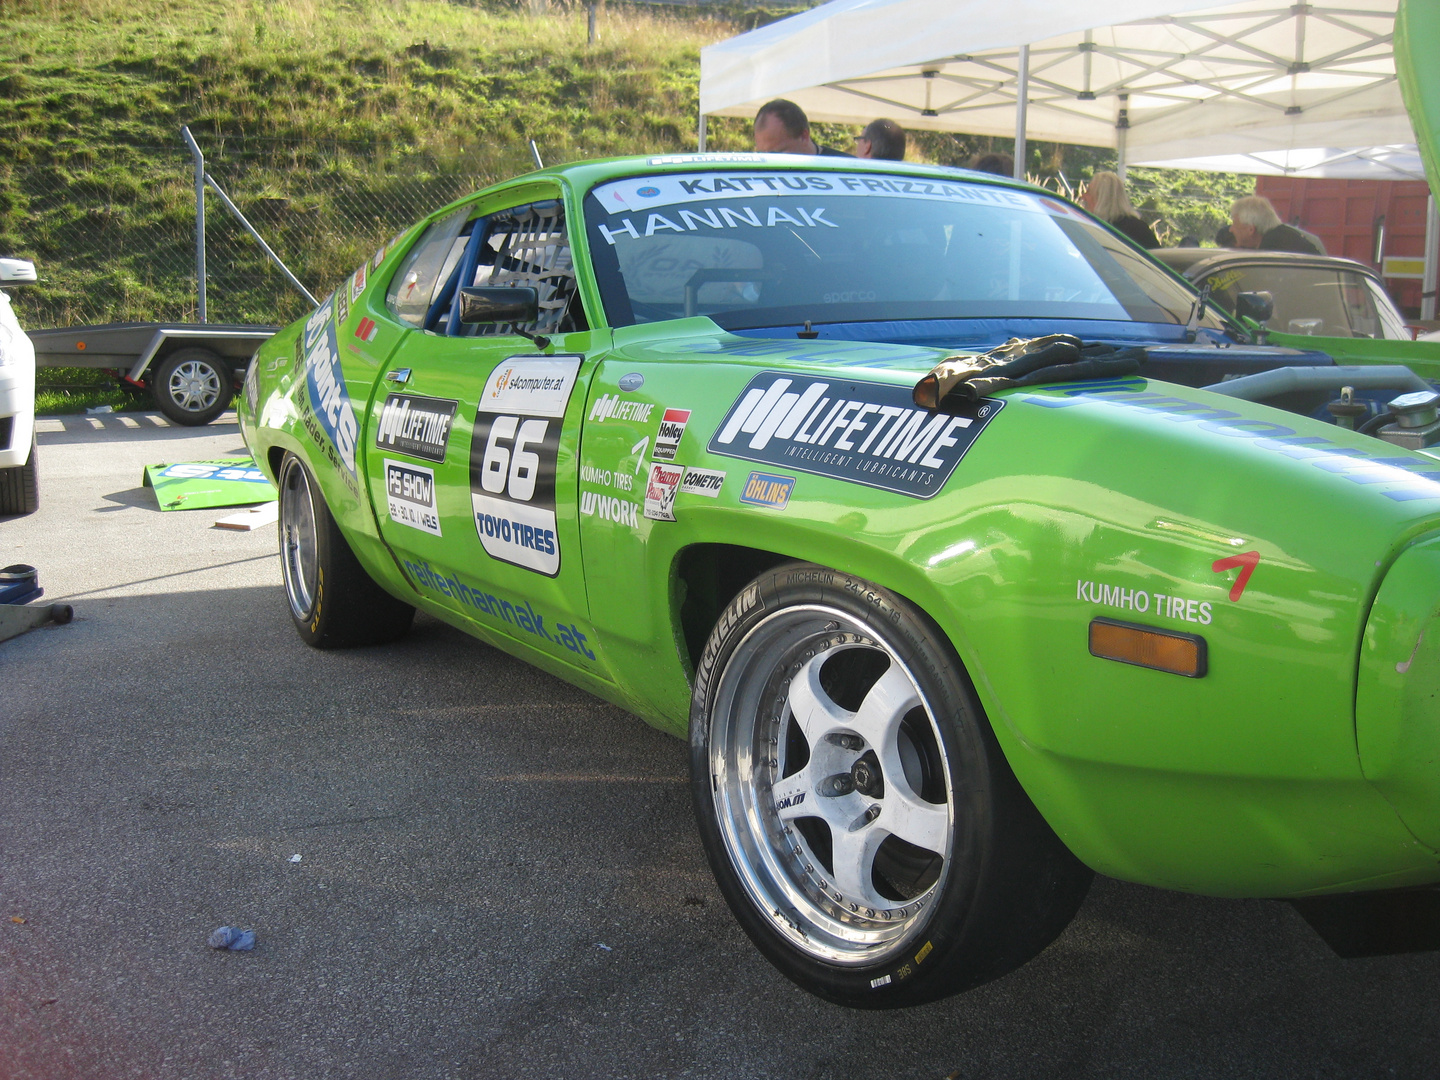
(609, 508)
(1160, 605)
(414, 425)
(410, 496)
(513, 454)
(767, 489)
(520, 614)
(614, 407)
(1401, 479)
(707, 482)
(863, 432)
(667, 439)
(660, 490)
(330, 418)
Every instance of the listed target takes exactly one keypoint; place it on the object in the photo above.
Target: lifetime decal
(864, 432)
(707, 482)
(767, 489)
(660, 490)
(366, 329)
(1165, 605)
(1246, 561)
(1417, 477)
(414, 425)
(614, 407)
(325, 381)
(410, 495)
(514, 448)
(667, 439)
(518, 613)
(609, 508)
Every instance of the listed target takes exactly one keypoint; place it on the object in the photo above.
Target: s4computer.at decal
(325, 384)
(707, 482)
(418, 426)
(667, 439)
(864, 432)
(513, 452)
(410, 495)
(767, 489)
(660, 490)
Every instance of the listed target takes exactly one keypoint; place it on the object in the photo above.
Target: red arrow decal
(1247, 562)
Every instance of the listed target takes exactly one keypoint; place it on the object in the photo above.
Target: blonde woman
(1105, 198)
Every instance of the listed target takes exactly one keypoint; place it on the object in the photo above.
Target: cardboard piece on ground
(203, 485)
(250, 519)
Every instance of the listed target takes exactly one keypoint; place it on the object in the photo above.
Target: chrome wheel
(831, 789)
(299, 555)
(193, 386)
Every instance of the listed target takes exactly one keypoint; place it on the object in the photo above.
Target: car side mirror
(16, 271)
(499, 304)
(1258, 307)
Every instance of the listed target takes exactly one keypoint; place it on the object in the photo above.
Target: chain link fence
(112, 230)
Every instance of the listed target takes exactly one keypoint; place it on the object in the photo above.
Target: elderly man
(1255, 224)
(781, 127)
(883, 140)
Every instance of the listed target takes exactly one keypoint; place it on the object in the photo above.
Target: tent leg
(701, 148)
(1022, 102)
(1122, 129)
(1432, 238)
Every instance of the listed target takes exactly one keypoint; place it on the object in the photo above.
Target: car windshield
(776, 248)
(1334, 301)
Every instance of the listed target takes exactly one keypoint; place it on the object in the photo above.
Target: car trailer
(191, 369)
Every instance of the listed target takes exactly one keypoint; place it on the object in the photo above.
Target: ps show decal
(864, 432)
(513, 454)
(410, 496)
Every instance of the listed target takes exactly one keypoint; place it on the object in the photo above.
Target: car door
(472, 440)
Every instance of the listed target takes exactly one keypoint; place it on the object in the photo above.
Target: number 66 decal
(514, 447)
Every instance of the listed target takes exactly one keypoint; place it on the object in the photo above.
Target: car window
(1325, 300)
(428, 264)
(775, 248)
(526, 245)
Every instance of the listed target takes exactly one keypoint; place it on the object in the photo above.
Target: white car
(19, 489)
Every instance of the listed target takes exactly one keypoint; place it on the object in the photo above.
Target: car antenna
(535, 153)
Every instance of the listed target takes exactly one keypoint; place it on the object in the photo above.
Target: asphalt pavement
(457, 866)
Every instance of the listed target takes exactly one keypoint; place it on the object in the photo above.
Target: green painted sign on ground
(201, 485)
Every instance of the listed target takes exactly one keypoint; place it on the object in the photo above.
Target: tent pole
(700, 149)
(1432, 236)
(1022, 102)
(1122, 129)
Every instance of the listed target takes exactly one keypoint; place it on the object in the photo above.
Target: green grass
(73, 390)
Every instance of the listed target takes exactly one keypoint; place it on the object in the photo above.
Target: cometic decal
(513, 454)
(410, 496)
(707, 482)
(667, 439)
(660, 490)
(864, 432)
(418, 426)
(517, 613)
(325, 383)
(767, 489)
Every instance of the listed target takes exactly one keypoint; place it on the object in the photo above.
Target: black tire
(849, 893)
(334, 603)
(20, 486)
(192, 386)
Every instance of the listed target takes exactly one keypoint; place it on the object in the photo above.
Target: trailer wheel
(192, 386)
(20, 487)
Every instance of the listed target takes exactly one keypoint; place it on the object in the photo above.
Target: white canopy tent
(1160, 80)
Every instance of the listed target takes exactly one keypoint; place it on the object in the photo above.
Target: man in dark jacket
(1255, 224)
(781, 127)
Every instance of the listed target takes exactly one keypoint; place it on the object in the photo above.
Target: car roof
(1196, 263)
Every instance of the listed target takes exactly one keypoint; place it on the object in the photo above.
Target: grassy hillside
(334, 123)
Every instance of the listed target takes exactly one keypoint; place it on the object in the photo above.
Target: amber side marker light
(1145, 646)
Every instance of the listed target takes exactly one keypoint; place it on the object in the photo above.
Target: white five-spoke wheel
(856, 809)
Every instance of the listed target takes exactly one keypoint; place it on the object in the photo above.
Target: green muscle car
(659, 427)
